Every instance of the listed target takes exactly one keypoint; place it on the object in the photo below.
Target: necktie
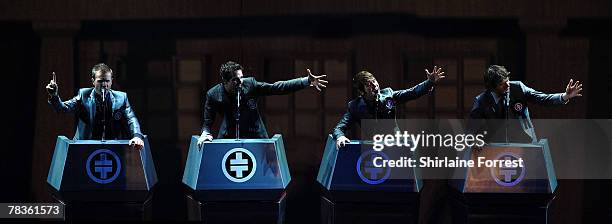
(502, 107)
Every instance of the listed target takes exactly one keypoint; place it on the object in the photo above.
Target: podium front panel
(91, 166)
(536, 176)
(229, 164)
(352, 169)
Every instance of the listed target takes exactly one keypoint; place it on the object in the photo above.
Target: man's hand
(52, 86)
(204, 137)
(435, 75)
(136, 143)
(341, 142)
(572, 90)
(316, 81)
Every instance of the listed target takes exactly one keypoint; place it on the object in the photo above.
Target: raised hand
(572, 90)
(52, 86)
(435, 75)
(317, 81)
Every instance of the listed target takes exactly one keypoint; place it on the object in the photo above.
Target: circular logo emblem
(368, 172)
(389, 103)
(518, 107)
(507, 176)
(103, 166)
(238, 165)
(117, 115)
(252, 103)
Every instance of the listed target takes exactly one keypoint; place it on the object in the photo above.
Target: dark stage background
(166, 54)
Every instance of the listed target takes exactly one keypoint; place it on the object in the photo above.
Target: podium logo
(239, 165)
(103, 166)
(507, 176)
(368, 172)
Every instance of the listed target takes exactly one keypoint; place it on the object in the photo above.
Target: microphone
(507, 110)
(238, 93)
(103, 94)
(103, 90)
(507, 96)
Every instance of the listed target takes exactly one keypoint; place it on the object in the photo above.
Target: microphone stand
(507, 108)
(103, 115)
(238, 90)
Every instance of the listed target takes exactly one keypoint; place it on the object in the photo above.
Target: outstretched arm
(289, 86)
(422, 88)
(572, 90)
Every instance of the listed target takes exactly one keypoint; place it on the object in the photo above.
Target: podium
(355, 190)
(492, 194)
(247, 175)
(92, 177)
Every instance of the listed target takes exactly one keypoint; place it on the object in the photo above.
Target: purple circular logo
(518, 107)
(368, 172)
(507, 176)
(103, 166)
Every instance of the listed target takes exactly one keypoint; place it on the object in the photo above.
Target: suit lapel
(91, 105)
(114, 103)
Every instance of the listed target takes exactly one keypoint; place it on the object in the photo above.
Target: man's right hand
(52, 86)
(342, 141)
(204, 137)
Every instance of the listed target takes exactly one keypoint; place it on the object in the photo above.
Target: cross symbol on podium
(372, 170)
(239, 165)
(507, 173)
(103, 166)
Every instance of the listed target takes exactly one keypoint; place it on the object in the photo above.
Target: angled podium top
(536, 176)
(92, 170)
(351, 169)
(237, 165)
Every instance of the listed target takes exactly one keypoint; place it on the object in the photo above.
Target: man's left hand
(136, 143)
(572, 90)
(317, 81)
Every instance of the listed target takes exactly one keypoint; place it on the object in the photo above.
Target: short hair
(495, 74)
(361, 79)
(228, 69)
(101, 67)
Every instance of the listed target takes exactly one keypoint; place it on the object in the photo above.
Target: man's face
(503, 87)
(230, 85)
(102, 81)
(371, 89)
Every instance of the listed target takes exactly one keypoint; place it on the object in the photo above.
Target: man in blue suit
(505, 101)
(374, 103)
(236, 91)
(102, 113)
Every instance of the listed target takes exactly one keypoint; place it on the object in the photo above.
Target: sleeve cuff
(562, 100)
(141, 136)
(305, 82)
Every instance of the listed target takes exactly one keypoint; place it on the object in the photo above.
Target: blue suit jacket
(358, 109)
(486, 114)
(124, 121)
